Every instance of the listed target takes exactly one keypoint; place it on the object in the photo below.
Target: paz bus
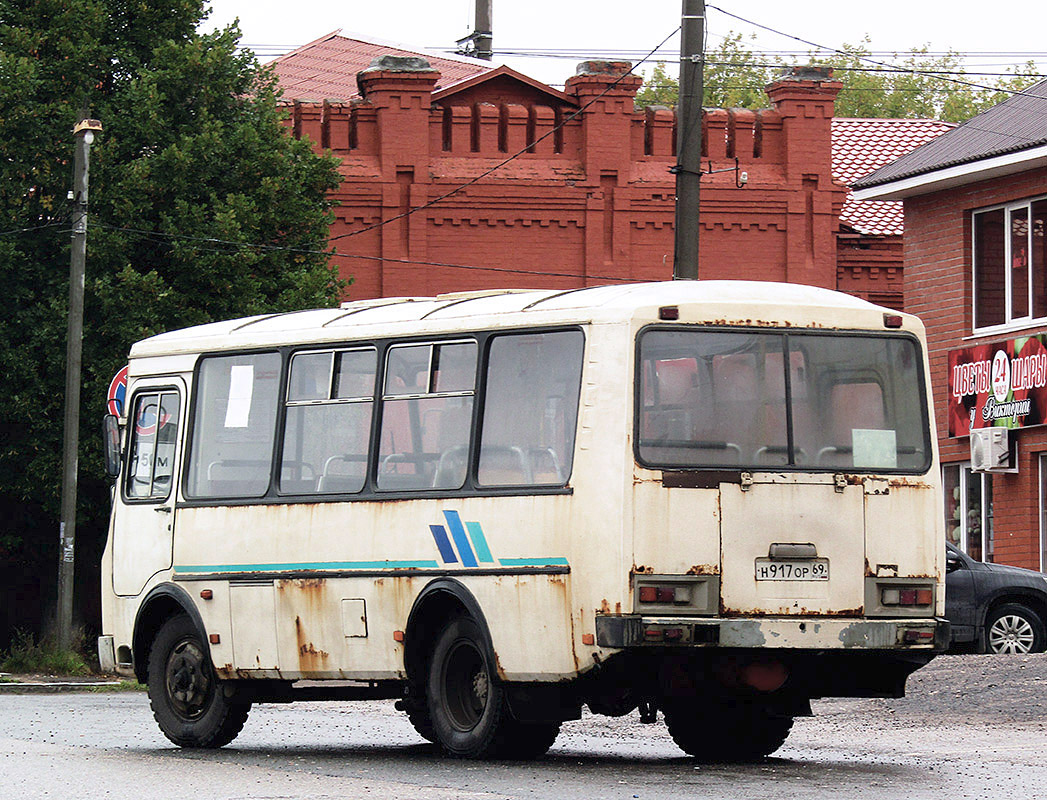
(715, 500)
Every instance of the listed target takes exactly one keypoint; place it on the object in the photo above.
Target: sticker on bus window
(241, 387)
(874, 448)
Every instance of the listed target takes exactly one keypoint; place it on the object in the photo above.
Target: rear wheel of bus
(188, 701)
(468, 707)
(726, 731)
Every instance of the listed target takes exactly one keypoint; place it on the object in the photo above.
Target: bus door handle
(162, 509)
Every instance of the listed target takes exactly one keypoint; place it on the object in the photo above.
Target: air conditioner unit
(992, 450)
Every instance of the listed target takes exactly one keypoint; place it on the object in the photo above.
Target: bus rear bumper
(807, 633)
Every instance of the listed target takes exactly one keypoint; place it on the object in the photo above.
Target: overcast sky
(1008, 34)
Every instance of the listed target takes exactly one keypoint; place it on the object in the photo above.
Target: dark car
(994, 607)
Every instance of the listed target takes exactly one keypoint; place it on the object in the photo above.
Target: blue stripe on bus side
(454, 522)
(476, 533)
(318, 565)
(446, 551)
(533, 562)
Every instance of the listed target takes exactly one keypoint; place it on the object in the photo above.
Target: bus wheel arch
(161, 604)
(440, 601)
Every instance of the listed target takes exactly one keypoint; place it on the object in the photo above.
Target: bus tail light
(906, 596)
(917, 636)
(677, 595)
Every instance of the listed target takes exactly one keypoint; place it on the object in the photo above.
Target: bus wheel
(186, 696)
(729, 733)
(466, 704)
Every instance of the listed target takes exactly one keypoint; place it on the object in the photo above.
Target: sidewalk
(50, 684)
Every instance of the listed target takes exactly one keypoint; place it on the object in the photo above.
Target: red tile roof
(325, 69)
(859, 147)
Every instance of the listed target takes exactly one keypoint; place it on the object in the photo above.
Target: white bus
(717, 500)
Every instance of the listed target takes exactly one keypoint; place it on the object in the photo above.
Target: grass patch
(27, 656)
(122, 686)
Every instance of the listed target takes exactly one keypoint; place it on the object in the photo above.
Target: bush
(45, 657)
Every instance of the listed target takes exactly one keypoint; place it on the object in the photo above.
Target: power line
(857, 56)
(33, 228)
(210, 240)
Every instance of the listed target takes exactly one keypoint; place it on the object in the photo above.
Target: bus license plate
(814, 569)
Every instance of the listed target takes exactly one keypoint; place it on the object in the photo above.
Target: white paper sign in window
(241, 387)
(874, 448)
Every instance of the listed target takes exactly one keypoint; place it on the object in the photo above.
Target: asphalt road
(971, 727)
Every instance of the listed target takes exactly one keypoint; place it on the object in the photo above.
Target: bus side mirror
(111, 444)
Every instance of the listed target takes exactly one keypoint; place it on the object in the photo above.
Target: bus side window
(234, 426)
(427, 409)
(330, 401)
(530, 409)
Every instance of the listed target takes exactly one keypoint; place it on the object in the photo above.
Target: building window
(968, 510)
(1010, 264)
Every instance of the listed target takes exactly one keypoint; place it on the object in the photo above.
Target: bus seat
(450, 470)
(504, 465)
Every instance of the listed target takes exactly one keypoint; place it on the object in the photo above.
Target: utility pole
(83, 135)
(688, 167)
(479, 43)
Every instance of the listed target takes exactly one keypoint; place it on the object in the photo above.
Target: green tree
(734, 77)
(192, 156)
(919, 86)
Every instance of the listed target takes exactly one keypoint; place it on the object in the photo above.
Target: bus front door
(144, 522)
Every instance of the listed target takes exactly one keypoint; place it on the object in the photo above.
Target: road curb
(51, 688)
(11, 685)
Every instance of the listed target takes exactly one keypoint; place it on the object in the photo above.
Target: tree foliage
(192, 157)
(919, 86)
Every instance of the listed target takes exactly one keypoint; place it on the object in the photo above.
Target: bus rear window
(722, 399)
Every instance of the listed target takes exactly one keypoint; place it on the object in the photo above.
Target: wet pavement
(971, 727)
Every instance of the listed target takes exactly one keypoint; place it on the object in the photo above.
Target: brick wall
(590, 203)
(937, 280)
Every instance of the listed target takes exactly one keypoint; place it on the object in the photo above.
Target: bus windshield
(806, 401)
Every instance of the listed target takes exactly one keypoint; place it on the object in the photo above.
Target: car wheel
(1013, 628)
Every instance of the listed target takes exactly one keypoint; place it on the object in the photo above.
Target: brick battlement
(591, 197)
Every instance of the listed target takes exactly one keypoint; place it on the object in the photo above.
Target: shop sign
(1002, 385)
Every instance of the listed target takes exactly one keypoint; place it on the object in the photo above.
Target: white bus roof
(712, 302)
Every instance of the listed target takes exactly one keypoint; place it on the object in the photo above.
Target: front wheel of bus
(187, 698)
(727, 733)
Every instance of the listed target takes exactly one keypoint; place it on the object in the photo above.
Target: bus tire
(418, 715)
(466, 704)
(727, 733)
(524, 741)
(188, 701)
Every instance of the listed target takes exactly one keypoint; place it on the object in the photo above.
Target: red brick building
(590, 198)
(976, 271)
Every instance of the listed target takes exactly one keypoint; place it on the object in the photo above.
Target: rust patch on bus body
(798, 612)
(310, 658)
(908, 483)
(704, 569)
